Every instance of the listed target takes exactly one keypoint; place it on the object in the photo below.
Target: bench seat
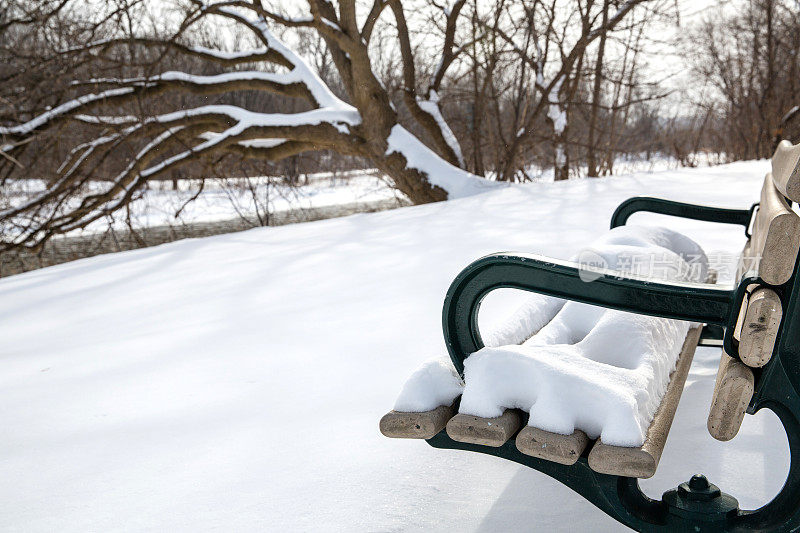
(642, 462)
(564, 449)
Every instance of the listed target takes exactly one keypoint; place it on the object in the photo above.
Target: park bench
(756, 322)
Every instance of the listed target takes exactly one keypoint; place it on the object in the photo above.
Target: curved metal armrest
(711, 304)
(706, 213)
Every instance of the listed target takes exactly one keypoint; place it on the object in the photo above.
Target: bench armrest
(695, 302)
(706, 213)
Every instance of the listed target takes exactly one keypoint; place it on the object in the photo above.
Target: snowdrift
(235, 382)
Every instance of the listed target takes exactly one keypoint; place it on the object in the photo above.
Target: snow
(598, 370)
(561, 156)
(431, 106)
(228, 199)
(434, 383)
(247, 119)
(211, 79)
(300, 68)
(61, 110)
(457, 182)
(555, 111)
(247, 126)
(223, 54)
(252, 143)
(236, 382)
(609, 384)
(586, 386)
(531, 316)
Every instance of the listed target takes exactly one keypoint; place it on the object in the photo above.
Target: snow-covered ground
(235, 383)
(161, 205)
(227, 199)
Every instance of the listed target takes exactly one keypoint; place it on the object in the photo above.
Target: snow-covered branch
(139, 118)
(426, 110)
(226, 58)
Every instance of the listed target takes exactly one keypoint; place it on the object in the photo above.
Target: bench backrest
(772, 250)
(771, 253)
(786, 170)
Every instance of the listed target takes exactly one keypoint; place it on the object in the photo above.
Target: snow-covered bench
(756, 321)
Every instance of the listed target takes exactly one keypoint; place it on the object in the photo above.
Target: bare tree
(750, 57)
(528, 73)
(164, 119)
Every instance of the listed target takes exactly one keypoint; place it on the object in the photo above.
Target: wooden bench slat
(487, 431)
(424, 425)
(737, 330)
(776, 236)
(732, 393)
(562, 449)
(760, 327)
(746, 263)
(642, 462)
(786, 170)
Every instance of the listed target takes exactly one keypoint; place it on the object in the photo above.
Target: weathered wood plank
(776, 236)
(786, 170)
(760, 327)
(563, 449)
(642, 462)
(487, 431)
(737, 330)
(424, 425)
(732, 393)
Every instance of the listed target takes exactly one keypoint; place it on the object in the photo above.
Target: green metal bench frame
(694, 506)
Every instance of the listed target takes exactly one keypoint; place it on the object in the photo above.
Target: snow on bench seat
(581, 371)
(598, 370)
(426, 402)
(642, 461)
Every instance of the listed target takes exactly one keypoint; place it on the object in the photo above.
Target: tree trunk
(591, 154)
(561, 161)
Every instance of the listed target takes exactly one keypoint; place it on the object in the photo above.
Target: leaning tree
(146, 116)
